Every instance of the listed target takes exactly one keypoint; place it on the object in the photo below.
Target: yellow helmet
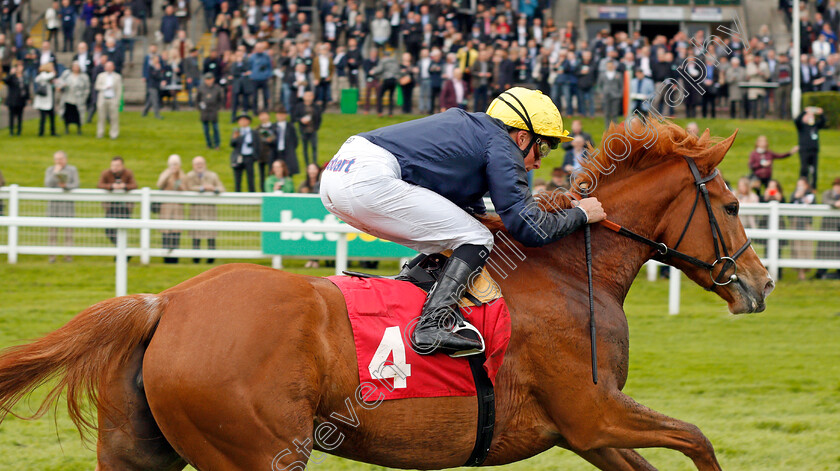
(513, 106)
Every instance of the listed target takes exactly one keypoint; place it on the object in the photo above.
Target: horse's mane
(651, 142)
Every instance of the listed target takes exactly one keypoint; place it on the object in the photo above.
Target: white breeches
(362, 186)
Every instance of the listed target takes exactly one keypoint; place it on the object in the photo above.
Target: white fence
(24, 229)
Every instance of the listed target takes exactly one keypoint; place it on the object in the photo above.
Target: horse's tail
(79, 355)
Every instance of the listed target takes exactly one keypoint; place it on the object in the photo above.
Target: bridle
(664, 252)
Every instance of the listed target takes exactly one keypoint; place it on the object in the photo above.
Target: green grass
(146, 143)
(765, 388)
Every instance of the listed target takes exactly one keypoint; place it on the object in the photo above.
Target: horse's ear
(715, 154)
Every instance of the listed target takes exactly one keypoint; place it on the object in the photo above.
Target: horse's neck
(638, 202)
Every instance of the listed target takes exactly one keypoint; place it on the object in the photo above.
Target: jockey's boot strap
(441, 317)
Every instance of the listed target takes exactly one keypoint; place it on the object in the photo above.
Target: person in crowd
(204, 181)
(171, 67)
(735, 74)
(611, 85)
(587, 74)
(52, 20)
(808, 125)
(192, 75)
(369, 65)
(407, 79)
(745, 195)
(577, 130)
(693, 129)
(308, 116)
(64, 176)
(44, 97)
(454, 92)
(757, 73)
(575, 156)
(172, 179)
(323, 71)
(17, 94)
(154, 76)
(312, 182)
(641, 93)
(240, 78)
(75, 90)
(783, 75)
(828, 250)
(285, 148)
(169, 26)
(559, 179)
(246, 149)
(109, 89)
(117, 178)
(481, 77)
(210, 99)
(387, 71)
(774, 192)
(130, 28)
(265, 132)
(279, 181)
(802, 249)
(761, 159)
(261, 72)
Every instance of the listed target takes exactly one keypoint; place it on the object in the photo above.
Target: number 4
(381, 368)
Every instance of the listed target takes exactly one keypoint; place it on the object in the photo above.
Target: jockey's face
(522, 139)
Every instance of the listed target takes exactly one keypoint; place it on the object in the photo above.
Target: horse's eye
(732, 209)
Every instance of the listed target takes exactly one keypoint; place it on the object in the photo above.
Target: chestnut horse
(235, 368)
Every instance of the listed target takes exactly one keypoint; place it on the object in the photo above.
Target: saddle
(482, 290)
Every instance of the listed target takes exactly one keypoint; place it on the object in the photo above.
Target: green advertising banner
(309, 210)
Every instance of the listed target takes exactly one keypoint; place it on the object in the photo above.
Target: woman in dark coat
(18, 95)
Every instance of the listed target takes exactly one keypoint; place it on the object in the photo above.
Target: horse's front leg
(616, 459)
(617, 421)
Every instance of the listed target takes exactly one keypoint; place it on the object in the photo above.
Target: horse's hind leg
(616, 459)
(129, 438)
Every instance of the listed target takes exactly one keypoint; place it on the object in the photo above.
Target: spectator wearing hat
(246, 149)
(210, 99)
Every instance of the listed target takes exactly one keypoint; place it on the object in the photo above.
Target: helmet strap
(525, 119)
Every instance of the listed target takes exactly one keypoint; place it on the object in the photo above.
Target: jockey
(418, 183)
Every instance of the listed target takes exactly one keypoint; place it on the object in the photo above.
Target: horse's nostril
(768, 288)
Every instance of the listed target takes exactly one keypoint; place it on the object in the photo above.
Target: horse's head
(669, 176)
(702, 222)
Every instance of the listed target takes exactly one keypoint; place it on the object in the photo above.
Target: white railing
(25, 209)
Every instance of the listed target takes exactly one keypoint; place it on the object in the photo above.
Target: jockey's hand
(593, 209)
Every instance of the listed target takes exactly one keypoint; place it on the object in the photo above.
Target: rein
(665, 252)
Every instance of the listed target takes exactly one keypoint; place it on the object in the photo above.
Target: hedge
(828, 101)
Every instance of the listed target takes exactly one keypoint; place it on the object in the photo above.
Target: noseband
(664, 252)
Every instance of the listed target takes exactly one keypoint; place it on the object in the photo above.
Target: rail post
(14, 204)
(673, 291)
(122, 262)
(773, 240)
(341, 253)
(145, 233)
(277, 262)
(652, 269)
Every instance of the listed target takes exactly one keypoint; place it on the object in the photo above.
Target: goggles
(545, 145)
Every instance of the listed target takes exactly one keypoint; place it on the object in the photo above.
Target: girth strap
(486, 411)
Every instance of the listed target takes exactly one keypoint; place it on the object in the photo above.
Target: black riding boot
(441, 315)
